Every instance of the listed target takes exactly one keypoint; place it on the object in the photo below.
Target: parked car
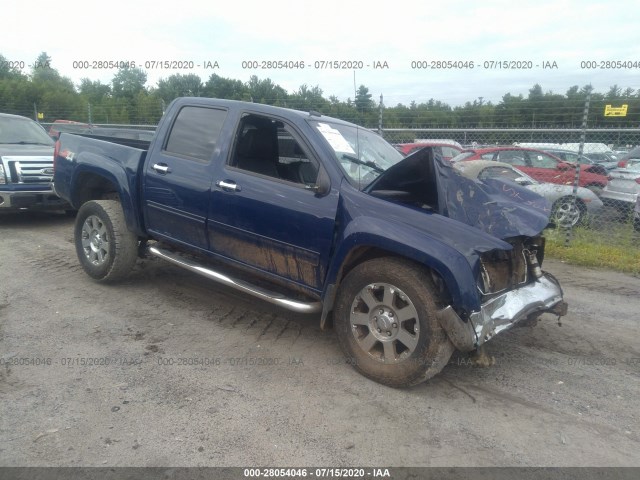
(624, 185)
(542, 166)
(69, 126)
(447, 151)
(586, 159)
(633, 154)
(406, 257)
(601, 151)
(602, 157)
(26, 166)
(566, 210)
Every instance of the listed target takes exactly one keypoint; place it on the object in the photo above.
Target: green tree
(510, 111)
(54, 95)
(94, 92)
(128, 82)
(178, 85)
(7, 70)
(306, 98)
(226, 88)
(363, 99)
(265, 91)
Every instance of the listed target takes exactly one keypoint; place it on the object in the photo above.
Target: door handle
(228, 185)
(161, 168)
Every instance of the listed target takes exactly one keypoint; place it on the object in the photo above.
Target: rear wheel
(106, 249)
(385, 318)
(567, 212)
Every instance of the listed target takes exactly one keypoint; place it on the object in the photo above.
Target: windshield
(506, 172)
(362, 154)
(18, 130)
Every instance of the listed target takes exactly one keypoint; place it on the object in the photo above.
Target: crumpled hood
(497, 207)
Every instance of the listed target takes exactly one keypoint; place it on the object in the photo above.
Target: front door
(264, 211)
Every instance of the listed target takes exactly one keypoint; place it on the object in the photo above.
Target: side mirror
(565, 166)
(322, 185)
(522, 181)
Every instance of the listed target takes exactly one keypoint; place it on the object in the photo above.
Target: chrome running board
(271, 297)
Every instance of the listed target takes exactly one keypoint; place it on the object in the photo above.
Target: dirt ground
(169, 369)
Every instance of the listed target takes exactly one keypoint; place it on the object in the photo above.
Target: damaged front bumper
(503, 312)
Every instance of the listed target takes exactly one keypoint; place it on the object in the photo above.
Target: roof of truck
(262, 108)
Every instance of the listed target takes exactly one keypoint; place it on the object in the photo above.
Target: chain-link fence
(592, 191)
(590, 176)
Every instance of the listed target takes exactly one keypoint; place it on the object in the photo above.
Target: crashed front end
(513, 288)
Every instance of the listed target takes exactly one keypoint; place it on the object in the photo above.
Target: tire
(107, 250)
(385, 319)
(567, 213)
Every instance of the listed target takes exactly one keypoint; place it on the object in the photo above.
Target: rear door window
(195, 133)
(512, 157)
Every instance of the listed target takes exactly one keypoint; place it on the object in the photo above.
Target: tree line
(127, 99)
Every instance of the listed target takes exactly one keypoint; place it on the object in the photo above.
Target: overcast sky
(397, 32)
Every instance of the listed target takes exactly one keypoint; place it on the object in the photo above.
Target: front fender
(454, 267)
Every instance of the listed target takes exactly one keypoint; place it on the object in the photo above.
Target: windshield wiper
(366, 163)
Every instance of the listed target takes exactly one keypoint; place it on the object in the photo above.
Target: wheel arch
(456, 275)
(388, 326)
(109, 183)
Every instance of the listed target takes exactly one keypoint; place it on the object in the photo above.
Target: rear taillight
(622, 164)
(638, 180)
(56, 150)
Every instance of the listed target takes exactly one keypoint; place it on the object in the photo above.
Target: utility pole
(576, 180)
(380, 117)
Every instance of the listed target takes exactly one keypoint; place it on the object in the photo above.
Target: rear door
(178, 174)
(540, 166)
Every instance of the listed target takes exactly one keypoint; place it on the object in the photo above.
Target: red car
(539, 165)
(448, 151)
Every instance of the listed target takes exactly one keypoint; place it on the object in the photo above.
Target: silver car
(565, 211)
(624, 184)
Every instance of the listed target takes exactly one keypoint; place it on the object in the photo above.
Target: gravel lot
(199, 375)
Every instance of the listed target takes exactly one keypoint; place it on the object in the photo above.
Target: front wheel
(107, 250)
(386, 323)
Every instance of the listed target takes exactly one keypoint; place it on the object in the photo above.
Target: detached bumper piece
(503, 312)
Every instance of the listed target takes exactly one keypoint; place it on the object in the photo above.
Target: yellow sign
(610, 111)
(40, 116)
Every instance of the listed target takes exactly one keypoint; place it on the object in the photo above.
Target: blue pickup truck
(404, 257)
